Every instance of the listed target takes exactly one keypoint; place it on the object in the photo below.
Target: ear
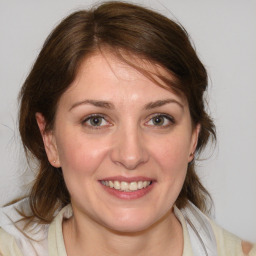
(49, 141)
(194, 140)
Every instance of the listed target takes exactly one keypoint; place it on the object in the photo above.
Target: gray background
(224, 33)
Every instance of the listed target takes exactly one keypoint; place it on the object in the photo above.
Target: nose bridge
(129, 149)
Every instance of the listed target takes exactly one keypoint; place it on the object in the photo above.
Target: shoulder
(212, 236)
(56, 243)
(249, 248)
(14, 240)
(230, 244)
(8, 246)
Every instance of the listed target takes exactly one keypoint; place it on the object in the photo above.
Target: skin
(247, 247)
(145, 131)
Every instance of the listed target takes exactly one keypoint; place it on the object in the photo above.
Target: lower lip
(128, 195)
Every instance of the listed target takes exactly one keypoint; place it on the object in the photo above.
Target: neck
(164, 237)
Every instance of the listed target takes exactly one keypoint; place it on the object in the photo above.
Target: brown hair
(122, 27)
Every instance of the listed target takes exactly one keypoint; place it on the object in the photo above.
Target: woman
(113, 112)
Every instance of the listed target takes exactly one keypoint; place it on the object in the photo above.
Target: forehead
(104, 75)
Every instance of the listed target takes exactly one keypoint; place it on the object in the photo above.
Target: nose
(129, 149)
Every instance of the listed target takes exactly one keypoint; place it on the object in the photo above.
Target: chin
(132, 223)
(129, 227)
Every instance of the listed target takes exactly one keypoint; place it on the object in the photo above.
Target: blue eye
(161, 121)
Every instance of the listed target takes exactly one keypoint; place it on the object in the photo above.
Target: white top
(50, 240)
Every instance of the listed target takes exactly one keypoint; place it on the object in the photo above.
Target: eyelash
(96, 116)
(166, 117)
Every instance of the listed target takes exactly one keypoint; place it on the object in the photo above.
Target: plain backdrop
(224, 34)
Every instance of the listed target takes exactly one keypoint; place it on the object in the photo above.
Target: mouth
(125, 186)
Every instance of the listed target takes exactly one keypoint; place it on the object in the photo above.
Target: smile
(126, 186)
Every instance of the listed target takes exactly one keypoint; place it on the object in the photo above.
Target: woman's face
(123, 144)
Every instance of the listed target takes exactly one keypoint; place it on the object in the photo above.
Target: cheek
(80, 155)
(80, 159)
(172, 152)
(172, 157)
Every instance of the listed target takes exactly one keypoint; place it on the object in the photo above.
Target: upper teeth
(126, 186)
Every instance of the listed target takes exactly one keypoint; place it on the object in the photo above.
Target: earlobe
(49, 141)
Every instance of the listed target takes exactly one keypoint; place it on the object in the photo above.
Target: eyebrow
(96, 103)
(160, 103)
(109, 105)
